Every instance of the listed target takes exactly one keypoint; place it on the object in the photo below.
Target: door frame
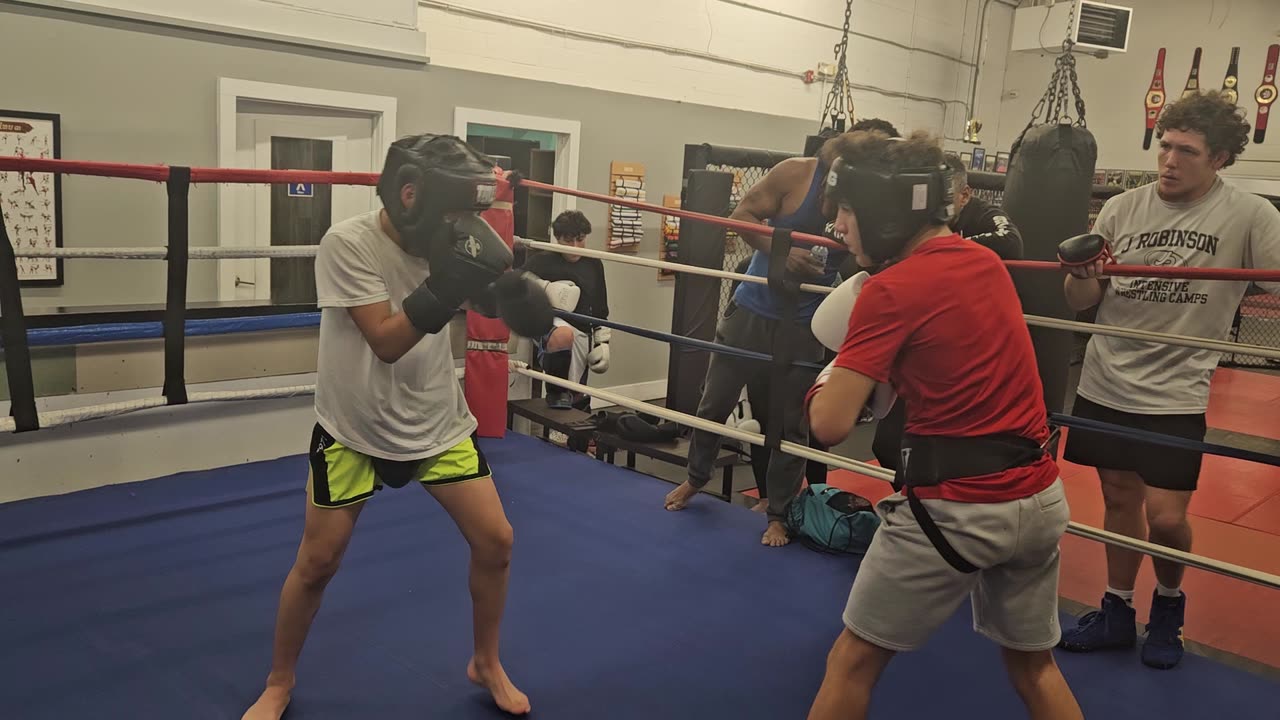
(381, 108)
(568, 138)
(262, 197)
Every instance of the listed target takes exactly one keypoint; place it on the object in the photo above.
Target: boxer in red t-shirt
(981, 508)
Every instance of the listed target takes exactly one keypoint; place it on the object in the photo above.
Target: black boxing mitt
(1083, 250)
(520, 301)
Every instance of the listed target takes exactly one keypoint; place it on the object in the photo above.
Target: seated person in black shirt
(573, 347)
(974, 219)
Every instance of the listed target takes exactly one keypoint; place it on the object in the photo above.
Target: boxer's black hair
(571, 223)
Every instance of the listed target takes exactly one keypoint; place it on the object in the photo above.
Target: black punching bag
(1047, 195)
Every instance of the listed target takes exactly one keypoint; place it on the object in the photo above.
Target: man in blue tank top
(790, 196)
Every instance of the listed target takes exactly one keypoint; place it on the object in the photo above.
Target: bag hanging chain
(840, 90)
(1064, 82)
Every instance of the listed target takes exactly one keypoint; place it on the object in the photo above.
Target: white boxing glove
(598, 358)
(563, 294)
(830, 323)
(880, 403)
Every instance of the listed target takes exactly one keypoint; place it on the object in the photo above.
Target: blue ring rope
(110, 332)
(681, 340)
(1070, 421)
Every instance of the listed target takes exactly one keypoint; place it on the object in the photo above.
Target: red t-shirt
(944, 326)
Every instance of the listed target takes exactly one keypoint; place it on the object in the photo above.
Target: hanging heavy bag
(1047, 195)
(830, 520)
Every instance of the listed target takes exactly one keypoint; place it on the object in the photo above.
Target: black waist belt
(929, 460)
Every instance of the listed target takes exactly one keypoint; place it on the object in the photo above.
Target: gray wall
(143, 94)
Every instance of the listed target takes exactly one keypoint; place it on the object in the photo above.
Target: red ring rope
(735, 225)
(160, 173)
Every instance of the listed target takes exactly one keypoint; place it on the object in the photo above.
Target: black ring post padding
(175, 310)
(787, 292)
(13, 330)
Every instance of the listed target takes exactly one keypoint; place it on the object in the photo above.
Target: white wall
(377, 27)
(1114, 88)
(739, 54)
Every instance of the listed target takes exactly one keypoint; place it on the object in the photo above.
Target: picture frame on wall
(979, 159)
(31, 203)
(1002, 162)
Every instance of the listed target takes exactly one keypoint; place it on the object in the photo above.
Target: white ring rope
(55, 418)
(162, 252)
(1231, 570)
(298, 251)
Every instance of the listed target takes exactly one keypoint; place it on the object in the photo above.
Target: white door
(352, 145)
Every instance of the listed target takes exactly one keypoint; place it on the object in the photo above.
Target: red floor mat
(1245, 402)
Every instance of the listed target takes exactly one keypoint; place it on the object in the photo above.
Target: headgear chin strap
(447, 175)
(891, 206)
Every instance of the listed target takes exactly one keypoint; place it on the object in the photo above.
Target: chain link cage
(747, 166)
(1257, 320)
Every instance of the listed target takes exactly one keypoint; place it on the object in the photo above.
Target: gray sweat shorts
(905, 590)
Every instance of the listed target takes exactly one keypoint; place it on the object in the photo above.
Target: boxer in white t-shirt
(389, 409)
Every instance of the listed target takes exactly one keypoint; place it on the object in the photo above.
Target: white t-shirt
(1227, 228)
(408, 410)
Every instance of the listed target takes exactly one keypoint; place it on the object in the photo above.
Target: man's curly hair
(1222, 123)
(571, 224)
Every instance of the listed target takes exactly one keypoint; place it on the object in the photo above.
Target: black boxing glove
(466, 257)
(520, 301)
(1084, 250)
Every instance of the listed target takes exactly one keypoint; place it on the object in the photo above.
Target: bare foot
(270, 705)
(505, 694)
(775, 535)
(761, 506)
(678, 498)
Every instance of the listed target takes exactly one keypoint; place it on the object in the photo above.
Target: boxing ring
(157, 598)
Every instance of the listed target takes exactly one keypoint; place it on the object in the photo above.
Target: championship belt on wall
(1155, 100)
(1266, 94)
(1193, 78)
(485, 383)
(1232, 79)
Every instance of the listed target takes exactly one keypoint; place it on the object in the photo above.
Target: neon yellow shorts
(342, 476)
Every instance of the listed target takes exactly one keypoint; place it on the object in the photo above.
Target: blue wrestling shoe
(1111, 628)
(1163, 647)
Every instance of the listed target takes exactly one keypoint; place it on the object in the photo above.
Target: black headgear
(448, 175)
(891, 205)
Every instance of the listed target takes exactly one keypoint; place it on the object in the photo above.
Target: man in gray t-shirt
(1189, 218)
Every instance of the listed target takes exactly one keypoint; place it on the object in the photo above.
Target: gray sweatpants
(727, 375)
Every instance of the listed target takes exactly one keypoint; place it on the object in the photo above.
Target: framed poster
(31, 203)
(979, 159)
